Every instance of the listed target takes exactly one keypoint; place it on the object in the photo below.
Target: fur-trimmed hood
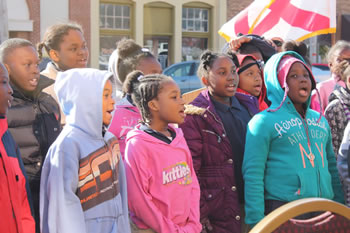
(194, 110)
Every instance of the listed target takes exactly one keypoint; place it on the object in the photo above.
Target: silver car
(185, 75)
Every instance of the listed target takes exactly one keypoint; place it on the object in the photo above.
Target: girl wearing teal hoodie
(288, 153)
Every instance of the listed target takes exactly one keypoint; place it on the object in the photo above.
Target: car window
(321, 73)
(179, 70)
(318, 71)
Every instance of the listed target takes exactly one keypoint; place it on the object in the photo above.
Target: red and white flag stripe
(288, 19)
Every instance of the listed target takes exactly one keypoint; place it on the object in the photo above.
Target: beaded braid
(148, 88)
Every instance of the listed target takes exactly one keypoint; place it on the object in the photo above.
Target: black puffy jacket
(34, 122)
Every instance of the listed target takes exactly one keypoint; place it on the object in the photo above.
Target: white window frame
(194, 19)
(114, 16)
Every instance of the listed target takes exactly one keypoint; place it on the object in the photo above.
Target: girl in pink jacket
(163, 190)
(128, 57)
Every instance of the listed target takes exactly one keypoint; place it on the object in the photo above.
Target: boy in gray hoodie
(83, 185)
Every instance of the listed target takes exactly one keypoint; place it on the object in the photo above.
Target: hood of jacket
(275, 93)
(50, 71)
(177, 141)
(112, 67)
(79, 93)
(341, 94)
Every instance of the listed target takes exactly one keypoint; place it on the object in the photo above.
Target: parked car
(185, 75)
(321, 72)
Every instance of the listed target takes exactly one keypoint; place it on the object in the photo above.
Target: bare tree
(4, 33)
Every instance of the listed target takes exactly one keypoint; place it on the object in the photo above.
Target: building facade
(174, 30)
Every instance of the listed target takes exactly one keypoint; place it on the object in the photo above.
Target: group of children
(131, 157)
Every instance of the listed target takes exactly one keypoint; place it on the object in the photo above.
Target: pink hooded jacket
(325, 88)
(163, 190)
(126, 116)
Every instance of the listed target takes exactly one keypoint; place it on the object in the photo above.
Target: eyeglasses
(277, 43)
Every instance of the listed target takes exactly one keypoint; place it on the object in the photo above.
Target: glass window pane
(192, 48)
(205, 14)
(107, 45)
(126, 23)
(205, 26)
(118, 23)
(190, 13)
(109, 23)
(109, 9)
(126, 11)
(184, 13)
(184, 25)
(197, 26)
(196, 13)
(102, 22)
(118, 10)
(102, 9)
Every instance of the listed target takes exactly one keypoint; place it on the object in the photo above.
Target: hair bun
(127, 47)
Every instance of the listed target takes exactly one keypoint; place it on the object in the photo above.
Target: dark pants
(271, 205)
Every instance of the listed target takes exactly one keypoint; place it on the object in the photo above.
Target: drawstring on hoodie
(285, 97)
(283, 100)
(321, 107)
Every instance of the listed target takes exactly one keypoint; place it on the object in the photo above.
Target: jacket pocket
(101, 224)
(308, 184)
(326, 189)
(214, 199)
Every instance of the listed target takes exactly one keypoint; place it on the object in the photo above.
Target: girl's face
(250, 80)
(5, 91)
(299, 83)
(149, 65)
(72, 52)
(222, 80)
(107, 103)
(169, 106)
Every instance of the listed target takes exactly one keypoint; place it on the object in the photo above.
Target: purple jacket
(249, 102)
(213, 164)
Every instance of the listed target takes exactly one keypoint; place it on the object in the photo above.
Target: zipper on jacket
(306, 128)
(222, 125)
(211, 132)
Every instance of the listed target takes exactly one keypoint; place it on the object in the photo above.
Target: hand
(206, 226)
(236, 43)
(272, 44)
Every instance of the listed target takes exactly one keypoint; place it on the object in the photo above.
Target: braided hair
(143, 89)
(208, 58)
(54, 36)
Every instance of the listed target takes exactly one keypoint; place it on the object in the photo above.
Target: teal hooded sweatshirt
(276, 162)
